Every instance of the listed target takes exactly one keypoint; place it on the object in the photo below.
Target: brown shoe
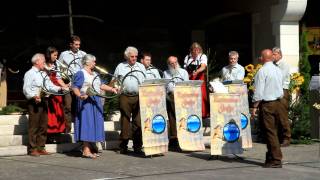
(43, 152)
(34, 153)
(272, 165)
(285, 143)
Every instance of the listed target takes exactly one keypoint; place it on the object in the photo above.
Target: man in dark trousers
(285, 130)
(267, 95)
(37, 105)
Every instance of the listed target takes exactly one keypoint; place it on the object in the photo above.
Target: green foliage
(11, 109)
(300, 115)
(111, 105)
(299, 111)
(302, 140)
(304, 65)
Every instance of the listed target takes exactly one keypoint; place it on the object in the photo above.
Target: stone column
(285, 17)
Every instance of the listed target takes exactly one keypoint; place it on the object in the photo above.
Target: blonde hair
(194, 46)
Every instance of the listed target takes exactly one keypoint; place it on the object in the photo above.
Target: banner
(225, 124)
(241, 89)
(187, 100)
(153, 111)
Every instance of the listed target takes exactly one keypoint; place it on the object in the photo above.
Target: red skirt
(56, 120)
(205, 102)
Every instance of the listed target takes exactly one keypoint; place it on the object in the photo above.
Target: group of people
(54, 114)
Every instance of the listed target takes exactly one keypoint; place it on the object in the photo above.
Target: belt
(130, 93)
(263, 101)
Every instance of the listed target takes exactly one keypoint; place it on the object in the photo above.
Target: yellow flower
(258, 66)
(251, 88)
(249, 68)
(250, 75)
(296, 89)
(295, 75)
(300, 78)
(246, 80)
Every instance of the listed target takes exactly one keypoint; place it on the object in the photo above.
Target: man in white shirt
(129, 99)
(72, 59)
(233, 71)
(267, 95)
(285, 130)
(37, 105)
(152, 72)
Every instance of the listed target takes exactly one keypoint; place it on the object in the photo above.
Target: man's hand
(195, 73)
(115, 90)
(253, 113)
(37, 99)
(83, 97)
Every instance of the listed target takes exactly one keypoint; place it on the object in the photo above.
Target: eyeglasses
(133, 56)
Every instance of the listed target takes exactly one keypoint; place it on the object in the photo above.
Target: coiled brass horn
(47, 82)
(107, 78)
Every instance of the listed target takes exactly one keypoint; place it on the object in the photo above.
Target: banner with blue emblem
(187, 100)
(153, 112)
(241, 89)
(225, 124)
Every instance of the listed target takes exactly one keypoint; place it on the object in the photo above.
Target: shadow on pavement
(225, 158)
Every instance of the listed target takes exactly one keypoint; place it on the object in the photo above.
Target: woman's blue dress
(89, 121)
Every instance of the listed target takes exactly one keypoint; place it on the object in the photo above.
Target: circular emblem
(193, 123)
(244, 121)
(158, 124)
(231, 132)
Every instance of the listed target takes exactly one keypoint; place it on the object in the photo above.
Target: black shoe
(123, 151)
(174, 145)
(272, 165)
(138, 151)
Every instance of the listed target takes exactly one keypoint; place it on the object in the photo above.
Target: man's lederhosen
(171, 116)
(38, 123)
(129, 107)
(285, 130)
(270, 115)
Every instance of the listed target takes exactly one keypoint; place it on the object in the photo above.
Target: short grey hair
(233, 53)
(36, 57)
(129, 50)
(277, 50)
(88, 58)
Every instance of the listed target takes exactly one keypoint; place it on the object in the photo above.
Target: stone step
(21, 129)
(13, 140)
(56, 148)
(108, 126)
(13, 119)
(114, 117)
(13, 151)
(64, 138)
(23, 119)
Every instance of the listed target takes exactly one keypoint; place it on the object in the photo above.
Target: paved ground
(300, 162)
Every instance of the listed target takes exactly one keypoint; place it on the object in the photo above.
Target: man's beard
(174, 71)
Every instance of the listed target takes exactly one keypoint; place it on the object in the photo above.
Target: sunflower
(295, 75)
(249, 68)
(246, 80)
(250, 75)
(258, 66)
